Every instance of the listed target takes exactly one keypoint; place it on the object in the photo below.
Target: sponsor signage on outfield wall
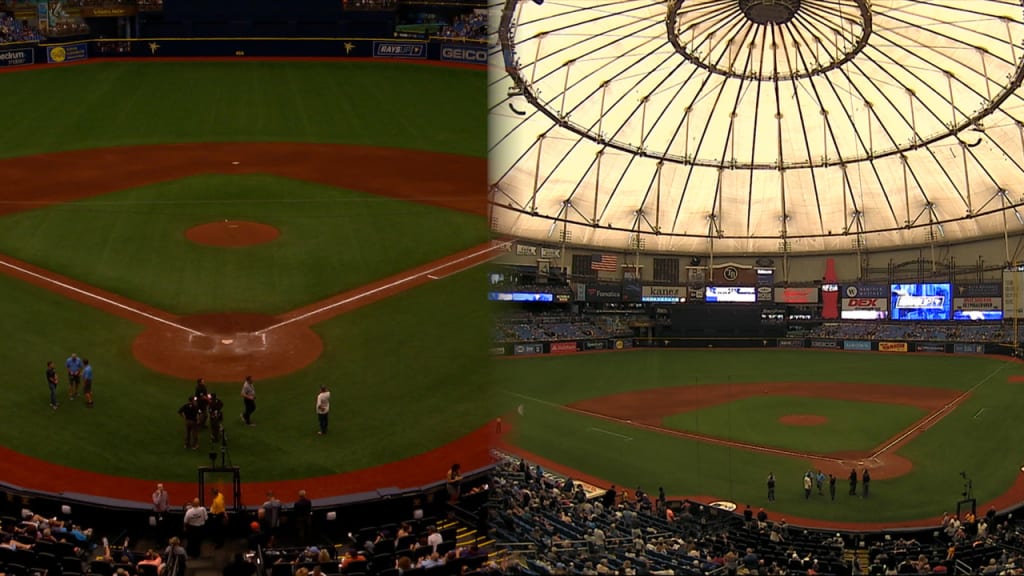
(968, 348)
(563, 347)
(892, 346)
(399, 50)
(497, 350)
(791, 343)
(823, 344)
(978, 290)
(19, 57)
(669, 294)
(532, 348)
(595, 345)
(67, 53)
(865, 291)
(856, 345)
(929, 347)
(465, 54)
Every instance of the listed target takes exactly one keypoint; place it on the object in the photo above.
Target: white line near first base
(603, 431)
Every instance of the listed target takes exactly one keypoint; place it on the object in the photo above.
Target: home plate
(227, 340)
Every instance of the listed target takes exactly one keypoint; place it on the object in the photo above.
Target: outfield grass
(133, 242)
(130, 103)
(851, 426)
(401, 385)
(981, 446)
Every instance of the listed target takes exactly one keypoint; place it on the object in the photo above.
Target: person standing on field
(323, 408)
(771, 486)
(74, 366)
(51, 381)
(87, 385)
(249, 398)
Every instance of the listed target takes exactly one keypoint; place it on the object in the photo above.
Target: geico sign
(472, 55)
(862, 303)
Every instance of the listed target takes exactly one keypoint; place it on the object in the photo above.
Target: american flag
(604, 263)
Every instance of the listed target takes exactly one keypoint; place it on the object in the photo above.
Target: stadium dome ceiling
(753, 126)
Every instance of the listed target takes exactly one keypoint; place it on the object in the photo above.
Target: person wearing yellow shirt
(219, 520)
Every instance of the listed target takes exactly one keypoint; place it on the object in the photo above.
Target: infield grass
(982, 445)
(133, 242)
(850, 426)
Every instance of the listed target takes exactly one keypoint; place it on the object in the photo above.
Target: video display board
(917, 302)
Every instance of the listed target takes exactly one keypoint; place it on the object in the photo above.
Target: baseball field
(713, 424)
(305, 223)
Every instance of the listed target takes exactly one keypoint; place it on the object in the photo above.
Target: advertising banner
(892, 346)
(978, 303)
(806, 295)
(604, 292)
(791, 343)
(595, 345)
(67, 53)
(108, 11)
(856, 345)
(979, 290)
(550, 252)
(563, 347)
(18, 57)
(860, 303)
(532, 348)
(929, 347)
(497, 350)
(865, 291)
(968, 348)
(466, 54)
(399, 50)
(622, 344)
(824, 344)
(667, 294)
(764, 293)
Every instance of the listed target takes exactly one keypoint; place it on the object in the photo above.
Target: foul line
(387, 286)
(98, 297)
(610, 433)
(941, 412)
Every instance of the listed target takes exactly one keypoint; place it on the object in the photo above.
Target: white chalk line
(680, 433)
(98, 297)
(388, 286)
(610, 433)
(938, 413)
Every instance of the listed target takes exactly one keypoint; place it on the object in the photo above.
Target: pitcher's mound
(803, 420)
(232, 233)
(227, 347)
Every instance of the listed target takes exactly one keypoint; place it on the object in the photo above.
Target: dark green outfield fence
(619, 344)
(436, 49)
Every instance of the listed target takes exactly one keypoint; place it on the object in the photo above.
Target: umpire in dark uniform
(190, 413)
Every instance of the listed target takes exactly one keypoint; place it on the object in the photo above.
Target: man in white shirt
(195, 520)
(323, 408)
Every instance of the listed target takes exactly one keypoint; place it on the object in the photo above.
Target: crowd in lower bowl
(552, 525)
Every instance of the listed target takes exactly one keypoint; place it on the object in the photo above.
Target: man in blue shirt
(74, 366)
(87, 376)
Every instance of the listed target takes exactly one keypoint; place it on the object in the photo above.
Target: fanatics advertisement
(797, 295)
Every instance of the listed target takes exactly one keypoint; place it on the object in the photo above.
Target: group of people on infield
(79, 378)
(817, 479)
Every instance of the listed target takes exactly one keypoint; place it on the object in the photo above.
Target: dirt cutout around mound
(803, 420)
(646, 409)
(232, 233)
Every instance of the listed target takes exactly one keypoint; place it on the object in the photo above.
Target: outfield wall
(439, 50)
(838, 344)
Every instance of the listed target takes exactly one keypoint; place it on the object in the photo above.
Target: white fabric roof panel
(757, 121)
